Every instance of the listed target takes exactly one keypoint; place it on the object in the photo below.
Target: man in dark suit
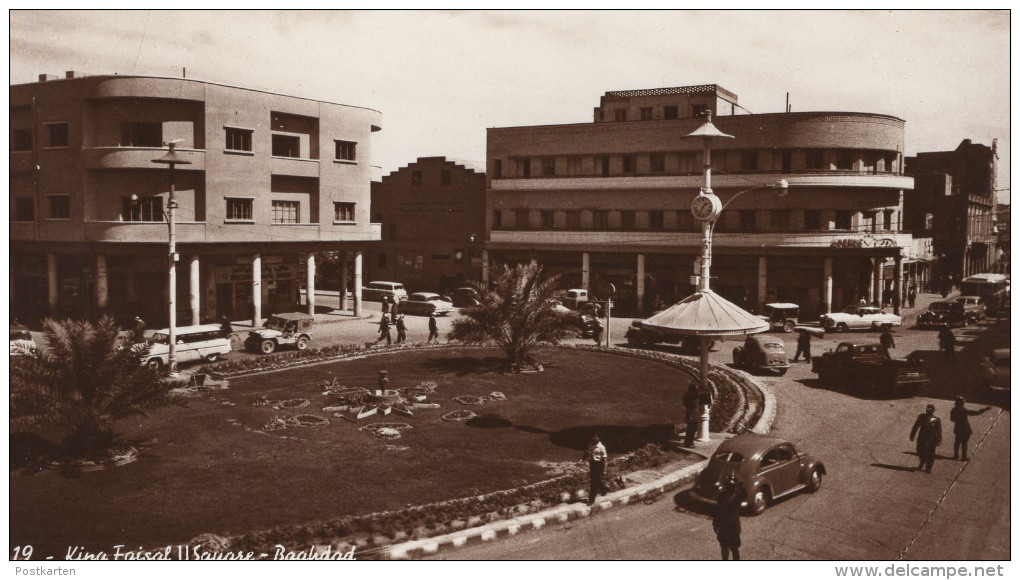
(928, 430)
(726, 522)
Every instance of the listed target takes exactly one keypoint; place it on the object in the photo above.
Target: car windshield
(939, 307)
(275, 323)
(728, 457)
(773, 346)
(160, 338)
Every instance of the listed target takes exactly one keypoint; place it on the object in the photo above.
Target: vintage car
(857, 317)
(973, 306)
(768, 468)
(869, 366)
(425, 303)
(760, 353)
(22, 343)
(1000, 370)
(286, 329)
(942, 314)
(192, 343)
(782, 315)
(575, 298)
(464, 296)
(379, 291)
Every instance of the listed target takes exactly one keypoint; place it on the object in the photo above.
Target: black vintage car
(943, 314)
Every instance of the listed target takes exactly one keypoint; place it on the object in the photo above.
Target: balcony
(295, 166)
(138, 157)
(695, 181)
(138, 232)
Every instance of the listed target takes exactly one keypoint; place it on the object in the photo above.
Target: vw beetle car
(768, 467)
(426, 303)
(856, 317)
(464, 296)
(762, 353)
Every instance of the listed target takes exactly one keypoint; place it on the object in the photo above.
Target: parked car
(464, 296)
(760, 353)
(973, 306)
(942, 314)
(590, 326)
(197, 342)
(783, 315)
(865, 365)
(768, 467)
(559, 307)
(377, 291)
(575, 298)
(22, 343)
(426, 303)
(1000, 370)
(640, 335)
(857, 317)
(286, 329)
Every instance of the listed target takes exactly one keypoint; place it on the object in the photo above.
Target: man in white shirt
(597, 457)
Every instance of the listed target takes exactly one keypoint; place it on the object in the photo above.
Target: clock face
(705, 207)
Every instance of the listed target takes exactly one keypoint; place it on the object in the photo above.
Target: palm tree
(516, 315)
(87, 377)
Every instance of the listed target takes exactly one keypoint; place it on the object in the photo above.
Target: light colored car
(286, 329)
(377, 291)
(426, 303)
(575, 298)
(559, 307)
(22, 343)
(858, 317)
(199, 342)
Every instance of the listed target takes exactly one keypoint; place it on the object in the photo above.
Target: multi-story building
(271, 180)
(953, 205)
(432, 214)
(609, 201)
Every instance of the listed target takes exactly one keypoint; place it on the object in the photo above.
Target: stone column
(872, 283)
(195, 289)
(102, 285)
(827, 284)
(640, 289)
(586, 271)
(256, 291)
(52, 291)
(310, 281)
(879, 280)
(344, 256)
(357, 283)
(485, 270)
(897, 284)
(763, 282)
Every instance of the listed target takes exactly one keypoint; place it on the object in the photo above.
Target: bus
(992, 288)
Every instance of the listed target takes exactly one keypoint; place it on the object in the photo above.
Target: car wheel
(760, 501)
(782, 371)
(302, 343)
(212, 357)
(788, 326)
(267, 347)
(814, 480)
(154, 364)
(841, 327)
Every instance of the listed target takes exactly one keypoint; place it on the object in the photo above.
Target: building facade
(609, 201)
(432, 214)
(954, 205)
(271, 180)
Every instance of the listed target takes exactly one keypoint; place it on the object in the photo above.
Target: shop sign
(864, 241)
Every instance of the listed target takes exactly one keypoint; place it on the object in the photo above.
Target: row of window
(669, 112)
(54, 133)
(445, 177)
(734, 221)
(150, 209)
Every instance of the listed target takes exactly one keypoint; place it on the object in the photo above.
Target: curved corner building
(609, 201)
(272, 179)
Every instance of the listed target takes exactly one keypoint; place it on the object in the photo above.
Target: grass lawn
(210, 467)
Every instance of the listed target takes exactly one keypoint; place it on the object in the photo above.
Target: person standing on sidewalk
(928, 430)
(961, 427)
(691, 400)
(911, 297)
(401, 329)
(597, 457)
(726, 522)
(803, 346)
(433, 327)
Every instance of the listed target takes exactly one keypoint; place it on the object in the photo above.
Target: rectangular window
(21, 140)
(142, 135)
(548, 166)
(239, 209)
(286, 146)
(343, 211)
(522, 220)
(814, 159)
(445, 177)
(747, 220)
(142, 209)
(605, 166)
(548, 219)
(781, 220)
(286, 212)
(656, 220)
(620, 115)
(57, 134)
(628, 220)
(844, 160)
(658, 162)
(600, 219)
(60, 207)
(671, 112)
(346, 151)
(238, 139)
(573, 219)
(698, 110)
(842, 220)
(887, 222)
(812, 219)
(646, 113)
(497, 219)
(526, 167)
(416, 178)
(24, 209)
(787, 161)
(749, 160)
(381, 260)
(685, 221)
(497, 168)
(629, 163)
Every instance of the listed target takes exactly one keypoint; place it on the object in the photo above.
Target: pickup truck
(867, 366)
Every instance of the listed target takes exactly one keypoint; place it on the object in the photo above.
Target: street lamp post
(171, 159)
(706, 208)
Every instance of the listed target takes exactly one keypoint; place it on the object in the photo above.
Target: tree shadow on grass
(466, 365)
(616, 438)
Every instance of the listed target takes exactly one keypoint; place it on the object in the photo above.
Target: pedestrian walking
(803, 347)
(947, 342)
(726, 522)
(384, 330)
(394, 308)
(596, 456)
(401, 329)
(384, 383)
(927, 430)
(887, 342)
(386, 306)
(912, 297)
(961, 427)
(433, 327)
(691, 400)
(597, 330)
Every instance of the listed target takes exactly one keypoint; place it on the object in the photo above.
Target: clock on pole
(706, 206)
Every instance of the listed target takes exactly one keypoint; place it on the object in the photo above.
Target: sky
(440, 78)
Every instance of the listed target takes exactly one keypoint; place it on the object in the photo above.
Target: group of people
(392, 318)
(927, 430)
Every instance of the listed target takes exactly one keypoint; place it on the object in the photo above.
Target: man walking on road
(384, 330)
(691, 400)
(401, 329)
(433, 327)
(726, 522)
(803, 346)
(961, 427)
(947, 342)
(887, 342)
(928, 430)
(597, 457)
